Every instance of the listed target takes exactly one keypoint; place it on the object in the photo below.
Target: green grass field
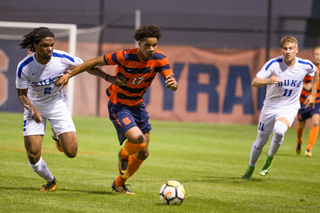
(208, 159)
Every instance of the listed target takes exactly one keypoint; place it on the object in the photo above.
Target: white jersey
(287, 92)
(39, 78)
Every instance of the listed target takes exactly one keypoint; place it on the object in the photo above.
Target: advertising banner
(214, 84)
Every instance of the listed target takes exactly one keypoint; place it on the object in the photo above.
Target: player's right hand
(36, 115)
(171, 83)
(274, 79)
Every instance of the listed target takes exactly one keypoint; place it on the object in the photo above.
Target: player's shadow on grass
(217, 179)
(88, 191)
(20, 188)
(60, 190)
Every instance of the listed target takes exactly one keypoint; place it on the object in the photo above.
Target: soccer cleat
(121, 189)
(298, 149)
(54, 137)
(123, 167)
(308, 153)
(248, 173)
(50, 186)
(266, 168)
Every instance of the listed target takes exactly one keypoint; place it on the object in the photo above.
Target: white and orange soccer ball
(172, 193)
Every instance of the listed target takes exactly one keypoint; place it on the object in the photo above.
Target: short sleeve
(266, 71)
(22, 81)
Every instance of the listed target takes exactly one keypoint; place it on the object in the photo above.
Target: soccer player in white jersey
(283, 77)
(42, 99)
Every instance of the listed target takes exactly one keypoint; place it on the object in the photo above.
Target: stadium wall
(214, 84)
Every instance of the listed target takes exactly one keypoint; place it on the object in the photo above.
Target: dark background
(202, 23)
(223, 24)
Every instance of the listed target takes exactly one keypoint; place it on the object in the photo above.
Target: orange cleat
(50, 186)
(121, 189)
(308, 153)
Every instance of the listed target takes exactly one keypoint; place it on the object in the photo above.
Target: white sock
(42, 170)
(254, 155)
(257, 146)
(279, 130)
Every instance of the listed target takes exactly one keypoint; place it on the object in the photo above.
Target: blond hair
(288, 39)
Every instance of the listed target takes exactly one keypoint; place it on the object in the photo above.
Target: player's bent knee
(33, 153)
(33, 158)
(138, 139)
(278, 133)
(71, 153)
(70, 150)
(69, 145)
(279, 130)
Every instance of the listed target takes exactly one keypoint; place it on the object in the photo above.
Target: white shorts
(269, 116)
(58, 116)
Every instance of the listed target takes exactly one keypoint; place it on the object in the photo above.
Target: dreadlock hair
(34, 37)
(150, 31)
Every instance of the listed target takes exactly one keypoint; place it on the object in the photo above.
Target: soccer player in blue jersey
(283, 77)
(138, 66)
(42, 99)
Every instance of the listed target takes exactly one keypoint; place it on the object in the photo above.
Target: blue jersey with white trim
(287, 92)
(39, 78)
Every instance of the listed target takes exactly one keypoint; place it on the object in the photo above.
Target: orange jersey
(305, 93)
(139, 74)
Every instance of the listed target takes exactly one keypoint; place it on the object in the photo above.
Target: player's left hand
(171, 83)
(63, 80)
(117, 80)
(310, 101)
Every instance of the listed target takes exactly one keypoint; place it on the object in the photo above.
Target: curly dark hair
(34, 37)
(150, 31)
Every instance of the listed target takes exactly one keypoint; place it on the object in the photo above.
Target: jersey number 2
(47, 90)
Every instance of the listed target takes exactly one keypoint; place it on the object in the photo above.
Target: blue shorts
(126, 117)
(304, 114)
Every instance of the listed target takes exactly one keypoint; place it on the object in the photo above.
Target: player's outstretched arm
(259, 82)
(26, 103)
(171, 83)
(116, 80)
(99, 61)
(311, 99)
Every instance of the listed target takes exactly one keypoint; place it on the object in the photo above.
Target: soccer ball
(172, 193)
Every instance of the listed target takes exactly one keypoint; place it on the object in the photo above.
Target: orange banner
(214, 86)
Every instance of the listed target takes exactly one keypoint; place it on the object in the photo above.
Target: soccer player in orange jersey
(313, 113)
(136, 68)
